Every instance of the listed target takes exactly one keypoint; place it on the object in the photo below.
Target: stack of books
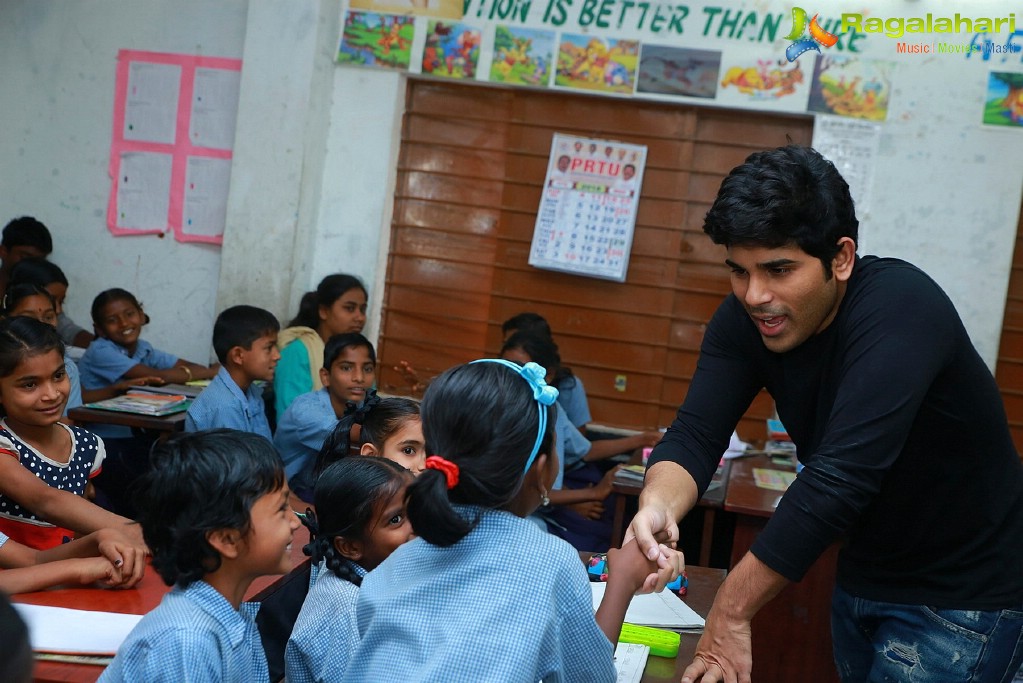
(143, 403)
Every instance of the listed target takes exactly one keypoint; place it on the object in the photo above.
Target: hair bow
(535, 374)
(543, 394)
(359, 411)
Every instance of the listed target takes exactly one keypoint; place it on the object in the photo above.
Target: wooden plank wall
(1009, 367)
(470, 176)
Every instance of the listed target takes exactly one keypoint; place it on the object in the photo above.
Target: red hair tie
(450, 469)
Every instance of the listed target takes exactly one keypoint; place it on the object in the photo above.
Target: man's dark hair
(27, 231)
(786, 196)
(198, 483)
(241, 326)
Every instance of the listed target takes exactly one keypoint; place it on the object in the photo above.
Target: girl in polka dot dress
(45, 465)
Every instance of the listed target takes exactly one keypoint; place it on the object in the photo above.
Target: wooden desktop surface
(703, 585)
(165, 423)
(138, 600)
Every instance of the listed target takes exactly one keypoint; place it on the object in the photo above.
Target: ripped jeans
(884, 641)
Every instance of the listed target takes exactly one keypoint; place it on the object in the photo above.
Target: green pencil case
(661, 643)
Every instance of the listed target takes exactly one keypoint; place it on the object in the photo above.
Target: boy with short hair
(215, 513)
(23, 237)
(245, 340)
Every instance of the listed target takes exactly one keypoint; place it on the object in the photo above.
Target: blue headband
(543, 394)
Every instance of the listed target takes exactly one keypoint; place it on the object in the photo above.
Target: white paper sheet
(151, 105)
(58, 629)
(214, 108)
(630, 660)
(207, 181)
(143, 190)
(663, 610)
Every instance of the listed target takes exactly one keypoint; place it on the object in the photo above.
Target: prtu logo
(818, 36)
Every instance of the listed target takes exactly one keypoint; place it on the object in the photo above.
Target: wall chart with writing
(587, 212)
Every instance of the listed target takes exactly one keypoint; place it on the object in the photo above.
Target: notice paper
(630, 660)
(662, 610)
(75, 631)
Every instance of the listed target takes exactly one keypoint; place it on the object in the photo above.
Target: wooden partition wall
(1009, 368)
(471, 170)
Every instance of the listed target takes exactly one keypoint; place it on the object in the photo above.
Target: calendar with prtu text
(587, 212)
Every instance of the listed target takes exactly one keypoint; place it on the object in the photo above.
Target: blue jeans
(884, 641)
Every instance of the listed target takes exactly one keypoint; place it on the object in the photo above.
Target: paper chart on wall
(587, 214)
(852, 146)
(170, 157)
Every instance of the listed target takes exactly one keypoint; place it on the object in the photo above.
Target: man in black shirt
(897, 420)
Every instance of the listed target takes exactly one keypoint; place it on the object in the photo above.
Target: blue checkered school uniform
(507, 603)
(326, 632)
(223, 404)
(193, 635)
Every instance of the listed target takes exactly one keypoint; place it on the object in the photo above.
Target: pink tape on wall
(170, 155)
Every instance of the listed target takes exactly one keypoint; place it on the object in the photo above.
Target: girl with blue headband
(483, 594)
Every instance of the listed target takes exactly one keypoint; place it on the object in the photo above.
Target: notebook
(662, 610)
(142, 403)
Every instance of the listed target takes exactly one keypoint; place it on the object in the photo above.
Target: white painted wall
(316, 150)
(57, 62)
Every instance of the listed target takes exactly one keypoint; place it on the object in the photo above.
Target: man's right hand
(656, 532)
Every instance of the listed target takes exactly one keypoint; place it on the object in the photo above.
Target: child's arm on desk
(93, 395)
(601, 449)
(627, 571)
(100, 557)
(181, 372)
(61, 507)
(588, 501)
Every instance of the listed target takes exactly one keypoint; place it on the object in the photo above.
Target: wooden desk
(703, 586)
(138, 600)
(711, 501)
(167, 423)
(792, 633)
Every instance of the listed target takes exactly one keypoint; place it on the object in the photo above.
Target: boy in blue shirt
(215, 513)
(245, 341)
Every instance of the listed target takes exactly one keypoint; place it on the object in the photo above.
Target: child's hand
(603, 489)
(128, 557)
(89, 570)
(670, 565)
(651, 439)
(591, 509)
(629, 566)
(126, 384)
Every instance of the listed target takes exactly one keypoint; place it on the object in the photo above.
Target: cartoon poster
(522, 56)
(594, 63)
(587, 212)
(371, 39)
(752, 82)
(440, 9)
(1003, 103)
(850, 86)
(678, 71)
(451, 50)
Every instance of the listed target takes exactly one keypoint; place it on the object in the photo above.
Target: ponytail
(429, 509)
(484, 420)
(346, 495)
(308, 312)
(321, 549)
(338, 443)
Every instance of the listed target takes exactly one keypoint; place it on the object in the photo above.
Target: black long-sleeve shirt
(902, 431)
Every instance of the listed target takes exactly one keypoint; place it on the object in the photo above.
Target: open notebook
(663, 610)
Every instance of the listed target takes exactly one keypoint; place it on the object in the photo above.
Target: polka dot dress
(87, 455)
